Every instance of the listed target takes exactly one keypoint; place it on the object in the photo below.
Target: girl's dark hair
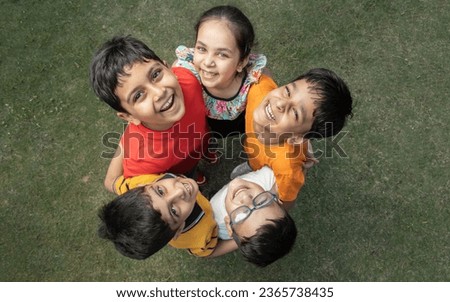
(239, 24)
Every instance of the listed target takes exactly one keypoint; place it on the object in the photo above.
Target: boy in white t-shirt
(248, 210)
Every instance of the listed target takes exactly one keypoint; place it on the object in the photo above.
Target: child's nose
(178, 190)
(209, 60)
(246, 199)
(158, 92)
(280, 105)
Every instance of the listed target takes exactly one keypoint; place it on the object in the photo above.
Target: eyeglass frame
(255, 207)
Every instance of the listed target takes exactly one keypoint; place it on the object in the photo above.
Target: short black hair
(271, 242)
(334, 102)
(133, 225)
(109, 63)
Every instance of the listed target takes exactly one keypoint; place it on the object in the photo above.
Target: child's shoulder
(199, 235)
(259, 90)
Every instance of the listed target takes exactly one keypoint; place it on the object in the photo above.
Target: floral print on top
(224, 109)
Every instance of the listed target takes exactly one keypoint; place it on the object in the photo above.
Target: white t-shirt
(263, 177)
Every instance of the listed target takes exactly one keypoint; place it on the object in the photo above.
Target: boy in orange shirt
(280, 121)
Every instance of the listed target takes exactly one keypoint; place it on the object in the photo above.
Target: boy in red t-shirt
(164, 108)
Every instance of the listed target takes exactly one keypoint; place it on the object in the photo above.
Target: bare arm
(223, 247)
(115, 169)
(267, 72)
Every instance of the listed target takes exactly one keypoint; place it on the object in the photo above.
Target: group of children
(216, 88)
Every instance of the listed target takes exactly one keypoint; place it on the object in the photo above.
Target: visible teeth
(269, 112)
(238, 191)
(188, 188)
(208, 74)
(167, 105)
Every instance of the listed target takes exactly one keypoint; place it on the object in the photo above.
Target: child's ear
(226, 219)
(180, 229)
(128, 118)
(241, 66)
(295, 140)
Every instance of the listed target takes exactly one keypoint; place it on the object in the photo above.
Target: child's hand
(310, 158)
(310, 161)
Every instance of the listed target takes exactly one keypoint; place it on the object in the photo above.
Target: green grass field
(380, 213)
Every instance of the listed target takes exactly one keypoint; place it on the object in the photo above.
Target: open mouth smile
(207, 74)
(168, 104)
(238, 191)
(188, 188)
(269, 112)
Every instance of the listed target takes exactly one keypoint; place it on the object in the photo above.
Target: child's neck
(157, 128)
(229, 92)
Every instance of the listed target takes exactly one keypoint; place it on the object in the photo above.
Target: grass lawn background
(380, 213)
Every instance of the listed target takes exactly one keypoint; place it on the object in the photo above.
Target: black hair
(239, 24)
(109, 62)
(271, 242)
(334, 102)
(133, 225)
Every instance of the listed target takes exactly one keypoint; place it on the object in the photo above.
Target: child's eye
(137, 96)
(200, 49)
(222, 55)
(295, 113)
(156, 74)
(173, 211)
(288, 92)
(159, 190)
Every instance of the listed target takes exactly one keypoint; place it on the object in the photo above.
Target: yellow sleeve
(208, 248)
(122, 185)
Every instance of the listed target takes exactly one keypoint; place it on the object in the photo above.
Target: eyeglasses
(261, 200)
(240, 214)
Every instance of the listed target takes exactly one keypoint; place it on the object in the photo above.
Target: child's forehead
(249, 183)
(144, 63)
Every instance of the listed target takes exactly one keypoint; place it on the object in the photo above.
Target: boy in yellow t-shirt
(155, 210)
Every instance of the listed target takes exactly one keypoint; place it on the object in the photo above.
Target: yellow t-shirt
(285, 160)
(200, 234)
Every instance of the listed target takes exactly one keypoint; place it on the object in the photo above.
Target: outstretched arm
(223, 247)
(115, 169)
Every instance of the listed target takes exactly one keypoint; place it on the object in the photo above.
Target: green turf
(381, 213)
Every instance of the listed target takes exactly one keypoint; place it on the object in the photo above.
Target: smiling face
(241, 193)
(286, 113)
(217, 58)
(151, 95)
(174, 198)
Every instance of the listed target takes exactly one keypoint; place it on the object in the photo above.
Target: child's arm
(223, 247)
(115, 169)
(310, 159)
